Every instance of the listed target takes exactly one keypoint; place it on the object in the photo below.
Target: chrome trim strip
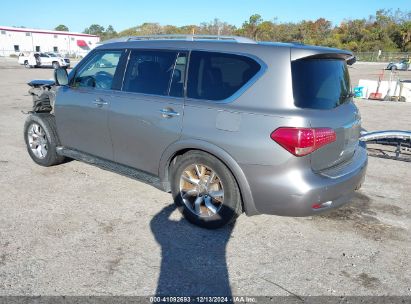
(394, 134)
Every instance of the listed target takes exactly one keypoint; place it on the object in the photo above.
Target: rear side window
(217, 76)
(320, 83)
(156, 72)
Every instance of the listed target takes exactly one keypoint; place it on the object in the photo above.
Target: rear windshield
(320, 83)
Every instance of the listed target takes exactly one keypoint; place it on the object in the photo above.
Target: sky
(123, 14)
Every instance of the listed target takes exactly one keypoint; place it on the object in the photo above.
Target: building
(15, 40)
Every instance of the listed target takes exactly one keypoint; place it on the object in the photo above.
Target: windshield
(51, 55)
(320, 83)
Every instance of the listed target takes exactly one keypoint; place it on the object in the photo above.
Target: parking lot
(75, 229)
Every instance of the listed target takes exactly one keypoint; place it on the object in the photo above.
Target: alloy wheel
(201, 190)
(38, 142)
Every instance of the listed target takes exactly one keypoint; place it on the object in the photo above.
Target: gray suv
(225, 124)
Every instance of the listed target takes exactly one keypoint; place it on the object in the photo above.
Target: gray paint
(139, 132)
(131, 131)
(227, 121)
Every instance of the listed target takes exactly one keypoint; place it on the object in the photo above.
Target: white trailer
(14, 41)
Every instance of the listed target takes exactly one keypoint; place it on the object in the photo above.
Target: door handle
(99, 102)
(168, 113)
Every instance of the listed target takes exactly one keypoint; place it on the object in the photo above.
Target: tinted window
(99, 71)
(320, 83)
(179, 76)
(217, 76)
(155, 72)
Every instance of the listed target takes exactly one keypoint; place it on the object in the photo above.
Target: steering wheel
(103, 80)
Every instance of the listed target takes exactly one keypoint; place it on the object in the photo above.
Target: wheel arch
(183, 146)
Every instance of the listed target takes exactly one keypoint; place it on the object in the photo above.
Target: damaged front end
(43, 93)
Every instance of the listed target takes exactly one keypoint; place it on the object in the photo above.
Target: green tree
(109, 33)
(386, 31)
(216, 27)
(250, 27)
(405, 31)
(62, 28)
(94, 29)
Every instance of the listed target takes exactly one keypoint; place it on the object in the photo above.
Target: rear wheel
(41, 139)
(393, 68)
(26, 64)
(204, 190)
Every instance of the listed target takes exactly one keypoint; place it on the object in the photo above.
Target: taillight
(303, 141)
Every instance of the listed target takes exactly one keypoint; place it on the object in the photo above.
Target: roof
(298, 50)
(40, 31)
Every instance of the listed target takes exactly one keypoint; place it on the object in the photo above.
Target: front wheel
(27, 65)
(205, 190)
(40, 135)
(56, 65)
(393, 68)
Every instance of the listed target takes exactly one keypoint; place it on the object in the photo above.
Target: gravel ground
(75, 229)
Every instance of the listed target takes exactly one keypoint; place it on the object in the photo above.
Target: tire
(40, 136)
(221, 193)
(26, 65)
(393, 68)
(55, 65)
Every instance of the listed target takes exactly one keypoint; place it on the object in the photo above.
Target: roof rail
(237, 39)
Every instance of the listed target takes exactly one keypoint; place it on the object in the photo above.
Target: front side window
(217, 76)
(16, 48)
(155, 72)
(99, 71)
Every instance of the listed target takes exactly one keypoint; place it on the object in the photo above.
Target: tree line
(386, 31)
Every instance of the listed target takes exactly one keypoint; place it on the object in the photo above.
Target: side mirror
(61, 77)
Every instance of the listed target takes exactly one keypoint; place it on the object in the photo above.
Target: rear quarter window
(217, 76)
(320, 83)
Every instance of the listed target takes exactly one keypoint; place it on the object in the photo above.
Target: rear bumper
(292, 191)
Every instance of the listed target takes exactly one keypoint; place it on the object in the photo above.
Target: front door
(146, 115)
(82, 108)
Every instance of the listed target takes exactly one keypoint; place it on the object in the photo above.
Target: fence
(383, 57)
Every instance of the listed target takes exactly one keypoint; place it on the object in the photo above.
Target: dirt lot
(75, 229)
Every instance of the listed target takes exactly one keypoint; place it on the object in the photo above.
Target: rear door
(146, 115)
(45, 59)
(321, 87)
(82, 108)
